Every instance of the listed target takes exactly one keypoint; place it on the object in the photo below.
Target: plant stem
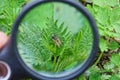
(100, 56)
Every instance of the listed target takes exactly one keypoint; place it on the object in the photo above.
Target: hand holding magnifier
(51, 40)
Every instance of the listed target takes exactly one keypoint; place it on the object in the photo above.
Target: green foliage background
(107, 16)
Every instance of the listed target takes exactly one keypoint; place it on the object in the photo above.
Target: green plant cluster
(47, 45)
(9, 9)
(107, 16)
(45, 54)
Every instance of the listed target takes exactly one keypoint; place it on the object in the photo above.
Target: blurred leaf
(71, 18)
(115, 59)
(114, 77)
(113, 45)
(103, 3)
(105, 77)
(103, 45)
(95, 76)
(43, 15)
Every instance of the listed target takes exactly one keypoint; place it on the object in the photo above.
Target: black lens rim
(75, 72)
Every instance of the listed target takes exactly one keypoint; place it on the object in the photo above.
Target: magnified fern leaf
(54, 48)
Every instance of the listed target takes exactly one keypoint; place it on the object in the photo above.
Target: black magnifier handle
(10, 68)
(5, 68)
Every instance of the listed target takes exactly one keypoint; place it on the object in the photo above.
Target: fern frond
(55, 45)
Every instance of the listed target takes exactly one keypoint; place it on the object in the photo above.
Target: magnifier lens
(54, 37)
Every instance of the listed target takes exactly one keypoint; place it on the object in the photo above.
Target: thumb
(3, 39)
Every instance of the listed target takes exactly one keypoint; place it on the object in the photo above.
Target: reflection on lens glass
(54, 37)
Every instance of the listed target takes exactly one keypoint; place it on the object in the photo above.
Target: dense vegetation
(107, 16)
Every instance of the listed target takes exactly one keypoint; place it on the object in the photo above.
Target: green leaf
(113, 45)
(103, 45)
(109, 66)
(100, 3)
(115, 59)
(102, 16)
(103, 3)
(114, 77)
(114, 15)
(105, 77)
(112, 3)
(95, 76)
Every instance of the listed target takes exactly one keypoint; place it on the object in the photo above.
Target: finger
(3, 39)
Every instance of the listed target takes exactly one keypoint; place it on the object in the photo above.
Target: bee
(56, 40)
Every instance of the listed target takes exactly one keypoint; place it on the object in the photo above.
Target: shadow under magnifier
(54, 37)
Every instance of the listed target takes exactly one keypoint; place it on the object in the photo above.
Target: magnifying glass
(50, 40)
